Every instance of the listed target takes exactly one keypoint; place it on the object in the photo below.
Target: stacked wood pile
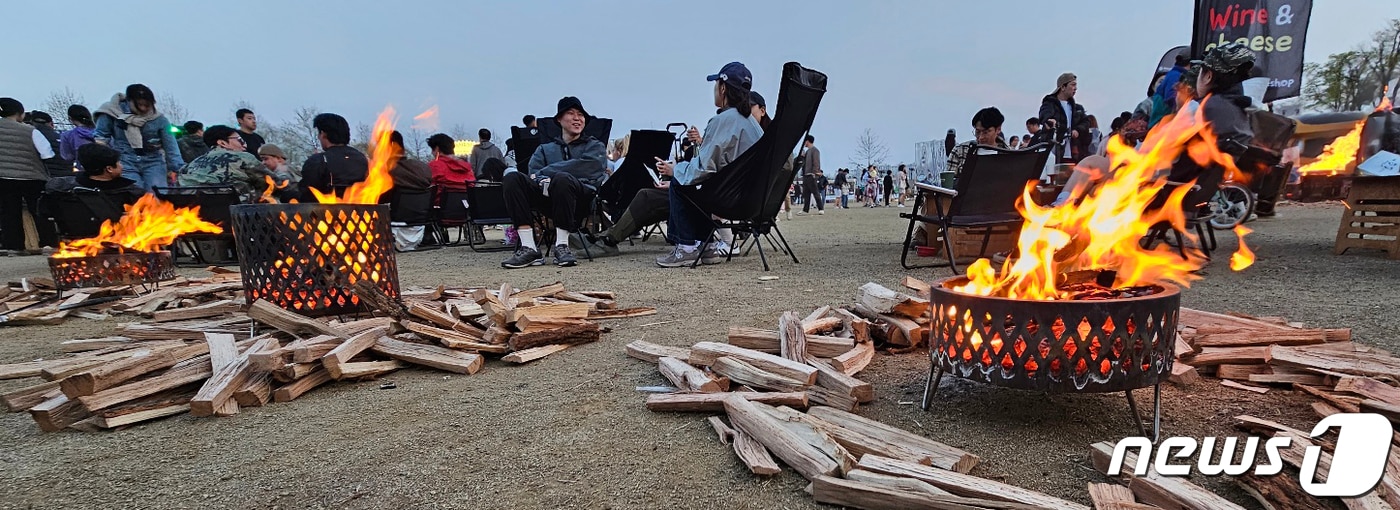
(36, 301)
(248, 358)
(789, 395)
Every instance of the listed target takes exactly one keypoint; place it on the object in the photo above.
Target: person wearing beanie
(275, 161)
(130, 123)
(226, 164)
(1066, 120)
(562, 177)
(192, 142)
(22, 177)
(81, 134)
(727, 135)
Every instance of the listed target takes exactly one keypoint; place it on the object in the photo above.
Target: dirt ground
(570, 431)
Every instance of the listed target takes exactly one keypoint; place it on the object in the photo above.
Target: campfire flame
(148, 225)
(1244, 257)
(267, 197)
(383, 156)
(1339, 155)
(1103, 231)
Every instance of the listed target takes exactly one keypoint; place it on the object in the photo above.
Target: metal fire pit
(1081, 346)
(305, 257)
(108, 269)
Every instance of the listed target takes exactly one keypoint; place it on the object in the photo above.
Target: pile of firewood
(159, 368)
(36, 301)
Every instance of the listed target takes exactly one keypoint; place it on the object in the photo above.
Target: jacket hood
(1235, 95)
(486, 144)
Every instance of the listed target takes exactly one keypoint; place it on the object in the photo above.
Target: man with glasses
(226, 164)
(986, 125)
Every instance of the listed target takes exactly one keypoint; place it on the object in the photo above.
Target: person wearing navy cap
(727, 135)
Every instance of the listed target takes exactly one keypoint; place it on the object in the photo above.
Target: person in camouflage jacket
(226, 164)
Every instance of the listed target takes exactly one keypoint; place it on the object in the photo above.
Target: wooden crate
(967, 242)
(1372, 216)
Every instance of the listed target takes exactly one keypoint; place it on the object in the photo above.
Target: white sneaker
(821, 211)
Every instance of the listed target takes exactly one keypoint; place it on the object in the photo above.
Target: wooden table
(1372, 216)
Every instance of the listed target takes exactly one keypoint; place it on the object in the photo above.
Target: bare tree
(296, 136)
(1385, 55)
(363, 132)
(239, 105)
(172, 109)
(416, 144)
(460, 132)
(870, 150)
(58, 102)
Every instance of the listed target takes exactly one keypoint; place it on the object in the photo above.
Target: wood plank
(1246, 387)
(650, 352)
(92, 344)
(740, 372)
(28, 368)
(528, 324)
(1295, 337)
(1288, 379)
(218, 391)
(1155, 489)
(369, 369)
(1346, 403)
(1355, 363)
(539, 292)
(870, 496)
(796, 453)
(623, 313)
(866, 436)
(830, 378)
(21, 399)
(900, 483)
(140, 416)
(767, 341)
(714, 402)
(291, 322)
(211, 309)
(454, 339)
(551, 311)
(290, 392)
(705, 354)
(964, 485)
(442, 319)
(572, 335)
(222, 350)
(197, 370)
(1369, 388)
(532, 354)
(429, 355)
(357, 344)
(598, 303)
(115, 373)
(1227, 355)
(1197, 318)
(687, 377)
(1241, 372)
(794, 421)
(853, 361)
(754, 455)
(792, 339)
(1280, 492)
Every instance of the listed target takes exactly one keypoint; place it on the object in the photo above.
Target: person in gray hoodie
(563, 174)
(485, 151)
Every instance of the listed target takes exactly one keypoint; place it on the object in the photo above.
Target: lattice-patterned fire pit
(305, 257)
(108, 269)
(1058, 346)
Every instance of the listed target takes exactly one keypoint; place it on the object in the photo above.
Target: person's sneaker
(716, 253)
(678, 257)
(524, 256)
(564, 256)
(789, 214)
(822, 211)
(603, 247)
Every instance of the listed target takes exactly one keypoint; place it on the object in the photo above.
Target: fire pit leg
(1156, 412)
(935, 375)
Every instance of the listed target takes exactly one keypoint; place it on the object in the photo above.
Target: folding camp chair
(743, 191)
(415, 209)
(991, 181)
(486, 205)
(523, 142)
(1195, 207)
(214, 203)
(79, 214)
(643, 147)
(453, 212)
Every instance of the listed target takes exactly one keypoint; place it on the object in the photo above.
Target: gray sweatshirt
(585, 159)
(727, 135)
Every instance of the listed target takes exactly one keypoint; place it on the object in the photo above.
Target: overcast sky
(908, 70)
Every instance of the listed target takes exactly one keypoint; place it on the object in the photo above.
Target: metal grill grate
(305, 257)
(129, 268)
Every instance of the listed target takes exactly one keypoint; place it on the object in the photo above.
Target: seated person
(448, 172)
(560, 175)
(409, 174)
(1222, 104)
(338, 165)
(727, 135)
(102, 174)
(986, 125)
(226, 164)
(276, 162)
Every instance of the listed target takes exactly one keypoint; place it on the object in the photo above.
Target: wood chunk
(754, 455)
(650, 352)
(497, 335)
(1227, 355)
(822, 325)
(1369, 388)
(911, 334)
(1241, 372)
(1198, 318)
(342, 353)
(687, 377)
(539, 292)
(293, 371)
(92, 344)
(835, 399)
(290, 392)
(375, 299)
(830, 378)
(197, 370)
(820, 312)
(1355, 363)
(867, 436)
(1183, 374)
(442, 319)
(792, 340)
(1246, 387)
(528, 324)
(454, 339)
(99, 358)
(368, 369)
(222, 350)
(871, 496)
(21, 399)
(533, 353)
(964, 485)
(740, 372)
(429, 355)
(598, 303)
(571, 335)
(291, 322)
(312, 349)
(623, 313)
(111, 374)
(551, 311)
(57, 413)
(1183, 347)
(1105, 494)
(797, 423)
(1295, 337)
(1280, 492)
(1289, 379)
(705, 354)
(920, 287)
(28, 368)
(140, 416)
(802, 457)
(726, 434)
(256, 391)
(1346, 403)
(885, 301)
(464, 309)
(714, 402)
(1155, 489)
(215, 394)
(767, 341)
(356, 327)
(212, 309)
(899, 483)
(853, 361)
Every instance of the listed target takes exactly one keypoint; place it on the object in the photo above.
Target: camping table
(1372, 216)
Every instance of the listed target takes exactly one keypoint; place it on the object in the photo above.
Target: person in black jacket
(338, 165)
(100, 187)
(43, 123)
(1066, 120)
(1218, 86)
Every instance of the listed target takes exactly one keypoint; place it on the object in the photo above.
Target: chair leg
(986, 239)
(761, 256)
(787, 246)
(583, 241)
(1180, 244)
(948, 248)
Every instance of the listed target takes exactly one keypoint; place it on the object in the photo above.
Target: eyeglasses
(237, 139)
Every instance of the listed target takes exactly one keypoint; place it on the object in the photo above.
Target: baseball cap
(733, 73)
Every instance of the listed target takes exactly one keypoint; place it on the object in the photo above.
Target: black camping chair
(988, 187)
(523, 142)
(597, 127)
(1195, 207)
(453, 212)
(743, 191)
(415, 209)
(79, 214)
(214, 203)
(643, 147)
(486, 205)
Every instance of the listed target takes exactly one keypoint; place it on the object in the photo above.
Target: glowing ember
(148, 226)
(1103, 231)
(383, 156)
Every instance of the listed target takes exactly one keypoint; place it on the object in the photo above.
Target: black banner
(1169, 58)
(1274, 29)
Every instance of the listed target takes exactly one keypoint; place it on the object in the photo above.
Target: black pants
(563, 206)
(810, 193)
(650, 205)
(16, 196)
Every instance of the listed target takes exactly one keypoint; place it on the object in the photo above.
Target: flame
(1244, 257)
(1339, 155)
(148, 225)
(383, 156)
(267, 197)
(1104, 230)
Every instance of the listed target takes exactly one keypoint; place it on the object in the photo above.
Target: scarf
(133, 121)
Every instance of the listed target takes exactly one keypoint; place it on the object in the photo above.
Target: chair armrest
(936, 189)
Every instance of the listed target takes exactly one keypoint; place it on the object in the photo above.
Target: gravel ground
(570, 431)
